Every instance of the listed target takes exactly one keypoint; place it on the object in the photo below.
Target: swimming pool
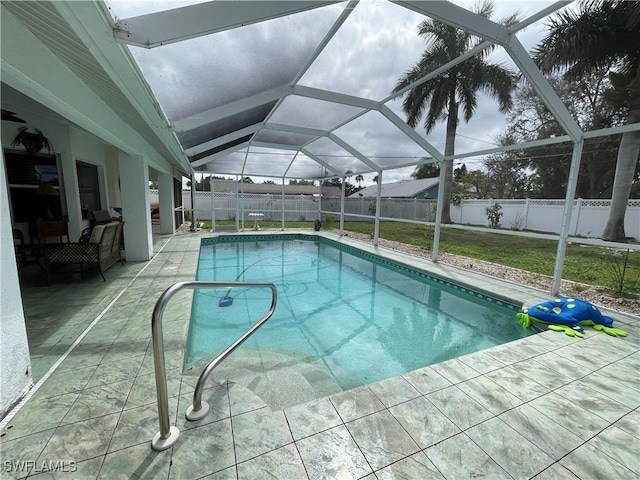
(344, 318)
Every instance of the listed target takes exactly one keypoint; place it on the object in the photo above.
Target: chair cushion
(96, 233)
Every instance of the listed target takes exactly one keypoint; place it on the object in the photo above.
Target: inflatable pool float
(568, 315)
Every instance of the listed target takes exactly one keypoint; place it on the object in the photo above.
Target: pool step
(280, 379)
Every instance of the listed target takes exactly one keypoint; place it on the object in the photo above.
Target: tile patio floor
(548, 407)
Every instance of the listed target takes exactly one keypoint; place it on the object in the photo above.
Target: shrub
(329, 218)
(617, 261)
(494, 214)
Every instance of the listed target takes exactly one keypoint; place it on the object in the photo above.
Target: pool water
(344, 318)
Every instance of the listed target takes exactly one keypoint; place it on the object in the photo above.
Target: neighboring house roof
(401, 189)
(275, 189)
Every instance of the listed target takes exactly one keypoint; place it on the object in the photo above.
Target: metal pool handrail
(168, 434)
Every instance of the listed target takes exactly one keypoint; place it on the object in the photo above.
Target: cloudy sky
(367, 56)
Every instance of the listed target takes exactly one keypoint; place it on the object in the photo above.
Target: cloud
(366, 57)
(376, 44)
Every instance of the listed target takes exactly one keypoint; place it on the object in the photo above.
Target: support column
(192, 217)
(243, 200)
(436, 231)
(136, 208)
(70, 183)
(342, 195)
(213, 203)
(282, 203)
(566, 216)
(238, 206)
(167, 204)
(376, 228)
(15, 374)
(320, 200)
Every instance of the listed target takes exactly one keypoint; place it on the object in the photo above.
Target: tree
(359, 179)
(472, 184)
(459, 172)
(269, 182)
(549, 165)
(443, 96)
(505, 178)
(426, 170)
(300, 182)
(603, 34)
(349, 189)
(204, 184)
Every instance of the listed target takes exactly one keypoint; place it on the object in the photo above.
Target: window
(25, 173)
(88, 188)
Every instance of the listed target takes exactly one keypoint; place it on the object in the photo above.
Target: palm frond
(498, 84)
(485, 9)
(437, 107)
(439, 97)
(468, 100)
(511, 20)
(599, 34)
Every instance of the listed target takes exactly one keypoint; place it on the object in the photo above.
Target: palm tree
(442, 96)
(426, 170)
(603, 34)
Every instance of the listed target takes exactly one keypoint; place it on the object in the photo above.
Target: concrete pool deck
(546, 407)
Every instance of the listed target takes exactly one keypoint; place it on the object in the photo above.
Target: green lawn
(585, 264)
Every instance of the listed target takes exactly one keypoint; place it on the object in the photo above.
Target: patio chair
(52, 228)
(100, 217)
(20, 246)
(101, 251)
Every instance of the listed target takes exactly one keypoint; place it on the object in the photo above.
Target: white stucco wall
(15, 365)
(88, 149)
(82, 127)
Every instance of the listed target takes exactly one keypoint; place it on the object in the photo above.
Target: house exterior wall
(167, 205)
(112, 172)
(88, 149)
(15, 365)
(429, 193)
(70, 144)
(81, 126)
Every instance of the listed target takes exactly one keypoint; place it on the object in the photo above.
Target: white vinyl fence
(588, 218)
(296, 207)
